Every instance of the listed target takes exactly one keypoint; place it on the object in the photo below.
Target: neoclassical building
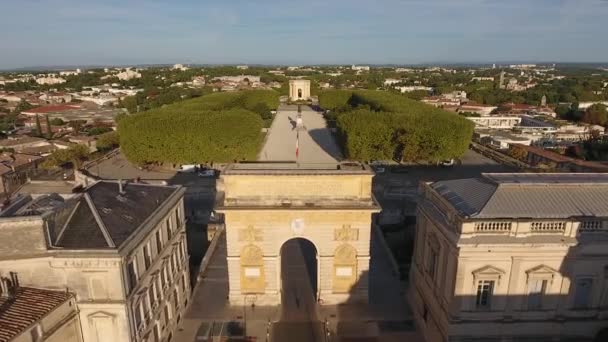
(119, 248)
(509, 257)
(266, 205)
(299, 90)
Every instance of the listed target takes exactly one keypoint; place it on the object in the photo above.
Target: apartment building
(512, 257)
(120, 248)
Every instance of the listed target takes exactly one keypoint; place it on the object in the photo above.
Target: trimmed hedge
(382, 125)
(219, 127)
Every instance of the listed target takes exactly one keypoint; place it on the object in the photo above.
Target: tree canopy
(382, 125)
(219, 127)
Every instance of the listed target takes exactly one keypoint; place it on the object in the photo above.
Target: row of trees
(220, 127)
(382, 125)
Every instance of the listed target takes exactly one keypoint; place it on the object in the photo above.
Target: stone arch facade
(252, 269)
(345, 268)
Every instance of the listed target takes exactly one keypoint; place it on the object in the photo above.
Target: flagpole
(297, 148)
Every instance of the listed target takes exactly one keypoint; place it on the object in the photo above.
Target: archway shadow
(325, 139)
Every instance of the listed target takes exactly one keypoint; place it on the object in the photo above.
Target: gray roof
(102, 217)
(528, 195)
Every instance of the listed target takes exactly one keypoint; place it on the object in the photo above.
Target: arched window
(299, 93)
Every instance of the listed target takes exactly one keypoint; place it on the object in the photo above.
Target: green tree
(22, 106)
(596, 115)
(57, 122)
(108, 141)
(99, 130)
(38, 126)
(49, 129)
(73, 155)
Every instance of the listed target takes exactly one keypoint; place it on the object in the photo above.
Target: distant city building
(477, 108)
(128, 75)
(70, 72)
(501, 82)
(522, 66)
(391, 81)
(511, 257)
(360, 67)
(180, 67)
(479, 78)
(239, 79)
(407, 89)
(50, 80)
(242, 67)
(492, 121)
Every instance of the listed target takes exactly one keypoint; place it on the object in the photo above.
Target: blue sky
(84, 32)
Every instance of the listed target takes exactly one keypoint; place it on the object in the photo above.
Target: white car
(207, 173)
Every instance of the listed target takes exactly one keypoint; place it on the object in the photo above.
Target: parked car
(447, 162)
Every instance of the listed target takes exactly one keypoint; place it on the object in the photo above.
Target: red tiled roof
(27, 307)
(50, 109)
(558, 158)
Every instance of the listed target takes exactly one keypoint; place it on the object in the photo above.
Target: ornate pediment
(488, 271)
(541, 271)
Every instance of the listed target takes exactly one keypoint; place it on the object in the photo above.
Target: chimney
(7, 286)
(15, 280)
(120, 187)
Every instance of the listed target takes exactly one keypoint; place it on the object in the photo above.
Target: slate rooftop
(103, 216)
(528, 195)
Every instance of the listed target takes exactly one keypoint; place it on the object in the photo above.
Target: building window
(184, 283)
(163, 277)
(156, 333)
(167, 313)
(485, 289)
(582, 293)
(168, 228)
(537, 288)
(174, 261)
(177, 222)
(132, 274)
(147, 256)
(150, 300)
(181, 250)
(137, 315)
(159, 241)
(431, 266)
(175, 299)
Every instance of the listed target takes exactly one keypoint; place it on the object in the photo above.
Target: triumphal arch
(267, 205)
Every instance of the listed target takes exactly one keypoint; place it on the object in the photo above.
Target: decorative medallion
(297, 226)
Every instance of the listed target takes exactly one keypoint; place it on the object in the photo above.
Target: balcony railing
(493, 227)
(548, 227)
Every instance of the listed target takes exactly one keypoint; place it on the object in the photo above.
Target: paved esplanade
(317, 145)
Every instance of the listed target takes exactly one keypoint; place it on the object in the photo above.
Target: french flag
(297, 144)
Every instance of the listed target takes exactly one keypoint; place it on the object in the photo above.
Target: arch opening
(299, 271)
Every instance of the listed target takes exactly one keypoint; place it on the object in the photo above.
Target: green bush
(382, 125)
